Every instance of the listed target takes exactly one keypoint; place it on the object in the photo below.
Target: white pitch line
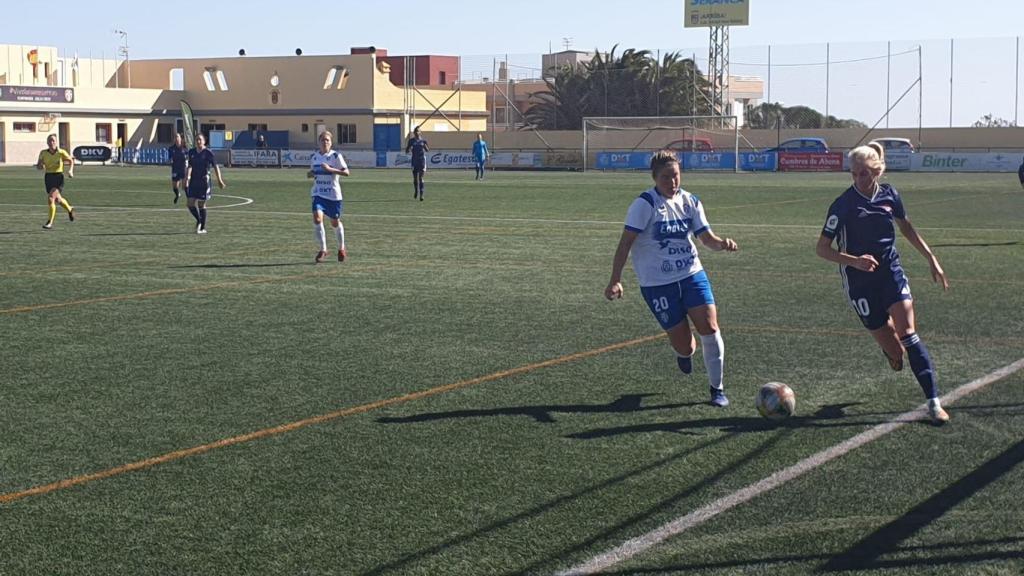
(637, 545)
(598, 222)
(512, 220)
(101, 209)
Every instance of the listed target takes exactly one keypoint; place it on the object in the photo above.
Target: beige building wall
(54, 70)
(300, 94)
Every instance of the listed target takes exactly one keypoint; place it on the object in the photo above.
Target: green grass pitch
(487, 411)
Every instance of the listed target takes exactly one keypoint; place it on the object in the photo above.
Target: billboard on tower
(707, 13)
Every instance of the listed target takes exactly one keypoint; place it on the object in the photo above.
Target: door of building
(64, 135)
(387, 137)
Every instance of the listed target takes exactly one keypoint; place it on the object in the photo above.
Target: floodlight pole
(1016, 86)
(718, 64)
(124, 52)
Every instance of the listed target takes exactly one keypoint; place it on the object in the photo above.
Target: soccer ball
(775, 401)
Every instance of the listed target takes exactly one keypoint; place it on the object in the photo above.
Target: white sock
(340, 233)
(714, 357)
(318, 235)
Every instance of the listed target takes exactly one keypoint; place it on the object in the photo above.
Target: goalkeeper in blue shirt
(480, 154)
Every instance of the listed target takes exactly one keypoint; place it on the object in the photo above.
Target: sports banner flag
(189, 121)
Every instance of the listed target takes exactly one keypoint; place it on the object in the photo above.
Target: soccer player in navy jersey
(200, 162)
(326, 166)
(1020, 174)
(861, 221)
(660, 226)
(177, 155)
(418, 147)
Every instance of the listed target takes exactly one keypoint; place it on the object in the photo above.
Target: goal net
(623, 142)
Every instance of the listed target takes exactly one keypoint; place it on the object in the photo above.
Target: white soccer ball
(775, 401)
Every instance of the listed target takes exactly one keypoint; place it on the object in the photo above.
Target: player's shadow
(957, 552)
(140, 234)
(260, 265)
(640, 470)
(867, 554)
(975, 244)
(544, 413)
(829, 415)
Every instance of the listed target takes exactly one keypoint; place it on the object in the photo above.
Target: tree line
(637, 83)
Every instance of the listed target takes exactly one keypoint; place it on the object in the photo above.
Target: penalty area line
(642, 543)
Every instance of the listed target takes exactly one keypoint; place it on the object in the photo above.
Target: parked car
(698, 144)
(801, 145)
(895, 145)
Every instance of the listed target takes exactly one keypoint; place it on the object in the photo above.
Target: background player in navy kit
(660, 227)
(861, 223)
(177, 155)
(200, 162)
(1020, 174)
(326, 166)
(418, 147)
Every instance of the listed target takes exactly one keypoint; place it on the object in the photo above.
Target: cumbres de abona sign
(37, 94)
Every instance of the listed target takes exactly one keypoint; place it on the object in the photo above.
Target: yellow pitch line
(276, 430)
(102, 266)
(154, 293)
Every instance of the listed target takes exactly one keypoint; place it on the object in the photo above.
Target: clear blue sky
(267, 28)
(480, 30)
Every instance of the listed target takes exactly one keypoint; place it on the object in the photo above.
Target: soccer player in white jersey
(659, 231)
(326, 166)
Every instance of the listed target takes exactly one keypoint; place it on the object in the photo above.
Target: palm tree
(632, 84)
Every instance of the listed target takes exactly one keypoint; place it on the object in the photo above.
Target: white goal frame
(687, 126)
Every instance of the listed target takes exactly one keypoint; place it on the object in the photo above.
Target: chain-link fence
(904, 84)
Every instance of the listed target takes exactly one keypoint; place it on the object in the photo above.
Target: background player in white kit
(326, 166)
(660, 227)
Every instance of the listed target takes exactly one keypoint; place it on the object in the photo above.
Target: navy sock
(202, 217)
(921, 364)
(685, 363)
(194, 212)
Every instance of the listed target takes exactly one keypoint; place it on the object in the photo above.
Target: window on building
(222, 81)
(104, 133)
(165, 133)
(206, 128)
(208, 80)
(257, 128)
(177, 79)
(337, 78)
(305, 128)
(346, 134)
(24, 126)
(500, 115)
(442, 78)
(275, 97)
